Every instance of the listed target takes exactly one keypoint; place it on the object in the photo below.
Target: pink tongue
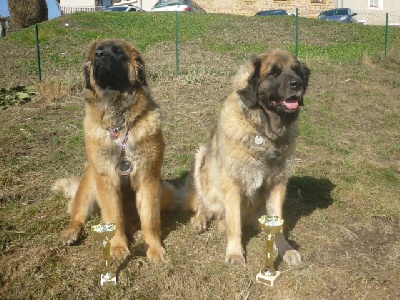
(291, 104)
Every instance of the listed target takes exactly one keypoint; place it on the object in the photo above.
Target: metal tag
(258, 140)
(125, 167)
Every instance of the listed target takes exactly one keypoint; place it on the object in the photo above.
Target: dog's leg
(274, 208)
(194, 191)
(193, 203)
(80, 208)
(234, 250)
(148, 197)
(110, 202)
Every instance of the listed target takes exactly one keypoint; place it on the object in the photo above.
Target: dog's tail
(67, 186)
(172, 198)
(187, 197)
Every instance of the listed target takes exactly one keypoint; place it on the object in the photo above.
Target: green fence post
(38, 52)
(297, 32)
(386, 34)
(177, 42)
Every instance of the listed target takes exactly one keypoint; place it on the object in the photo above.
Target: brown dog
(242, 172)
(124, 148)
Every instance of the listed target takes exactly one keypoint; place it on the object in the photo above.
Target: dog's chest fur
(252, 158)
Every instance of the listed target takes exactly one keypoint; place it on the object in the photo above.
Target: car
(339, 15)
(177, 5)
(123, 8)
(274, 12)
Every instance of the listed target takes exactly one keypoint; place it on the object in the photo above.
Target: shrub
(25, 13)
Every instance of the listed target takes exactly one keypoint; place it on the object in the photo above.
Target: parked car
(339, 15)
(176, 5)
(123, 8)
(275, 12)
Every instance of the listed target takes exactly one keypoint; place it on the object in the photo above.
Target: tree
(25, 13)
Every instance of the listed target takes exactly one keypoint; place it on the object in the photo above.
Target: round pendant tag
(258, 140)
(124, 168)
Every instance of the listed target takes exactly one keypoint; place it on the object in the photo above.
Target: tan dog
(242, 172)
(124, 148)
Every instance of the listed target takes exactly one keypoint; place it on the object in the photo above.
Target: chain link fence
(186, 43)
(368, 17)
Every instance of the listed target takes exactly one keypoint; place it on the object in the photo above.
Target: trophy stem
(105, 231)
(270, 225)
(269, 269)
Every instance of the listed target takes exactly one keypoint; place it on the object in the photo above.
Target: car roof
(272, 12)
(337, 11)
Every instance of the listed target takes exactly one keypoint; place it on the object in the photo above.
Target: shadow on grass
(304, 195)
(169, 221)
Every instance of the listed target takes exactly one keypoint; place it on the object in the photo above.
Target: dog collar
(114, 132)
(124, 167)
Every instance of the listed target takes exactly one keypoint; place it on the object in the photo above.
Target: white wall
(76, 3)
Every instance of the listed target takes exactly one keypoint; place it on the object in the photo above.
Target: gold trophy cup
(104, 232)
(271, 225)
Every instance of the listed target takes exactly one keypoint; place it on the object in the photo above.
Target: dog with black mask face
(242, 172)
(124, 149)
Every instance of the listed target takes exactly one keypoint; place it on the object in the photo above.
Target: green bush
(25, 13)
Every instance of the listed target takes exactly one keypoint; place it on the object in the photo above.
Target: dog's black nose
(100, 53)
(295, 83)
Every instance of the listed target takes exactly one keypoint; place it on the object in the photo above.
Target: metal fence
(297, 35)
(368, 17)
(73, 9)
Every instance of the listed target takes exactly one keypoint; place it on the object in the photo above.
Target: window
(375, 4)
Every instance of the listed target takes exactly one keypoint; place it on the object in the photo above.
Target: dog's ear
(247, 81)
(305, 74)
(86, 67)
(141, 71)
(86, 71)
(138, 67)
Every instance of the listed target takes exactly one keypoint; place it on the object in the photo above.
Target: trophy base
(107, 278)
(267, 279)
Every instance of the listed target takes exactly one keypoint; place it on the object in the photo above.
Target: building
(371, 5)
(69, 6)
(373, 12)
(307, 8)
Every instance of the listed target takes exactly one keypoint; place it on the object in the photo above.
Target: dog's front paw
(235, 259)
(199, 223)
(292, 258)
(120, 252)
(156, 254)
(119, 248)
(72, 233)
(235, 254)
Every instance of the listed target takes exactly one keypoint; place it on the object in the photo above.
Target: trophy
(104, 232)
(271, 225)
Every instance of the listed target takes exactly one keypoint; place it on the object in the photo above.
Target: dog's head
(114, 64)
(275, 80)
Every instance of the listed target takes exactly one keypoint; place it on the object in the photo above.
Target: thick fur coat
(122, 124)
(242, 172)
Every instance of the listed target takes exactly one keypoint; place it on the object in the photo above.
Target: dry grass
(342, 208)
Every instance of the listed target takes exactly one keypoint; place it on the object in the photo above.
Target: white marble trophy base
(267, 279)
(106, 278)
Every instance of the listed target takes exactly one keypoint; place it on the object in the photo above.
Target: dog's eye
(275, 71)
(118, 50)
(296, 69)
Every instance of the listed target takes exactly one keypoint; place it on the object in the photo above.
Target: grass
(341, 210)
